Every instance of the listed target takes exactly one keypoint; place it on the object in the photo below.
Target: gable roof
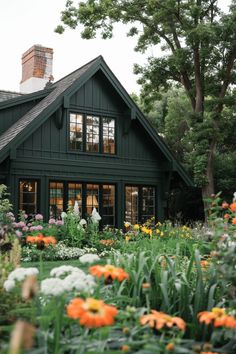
(59, 93)
(7, 95)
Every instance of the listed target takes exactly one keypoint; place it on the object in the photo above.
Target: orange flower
(225, 205)
(233, 207)
(125, 348)
(204, 264)
(159, 320)
(146, 285)
(91, 313)
(208, 353)
(107, 242)
(170, 346)
(234, 221)
(49, 240)
(217, 317)
(226, 216)
(109, 272)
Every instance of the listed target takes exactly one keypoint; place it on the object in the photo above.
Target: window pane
(92, 134)
(75, 194)
(108, 129)
(108, 196)
(76, 132)
(92, 197)
(148, 203)
(56, 192)
(28, 198)
(131, 203)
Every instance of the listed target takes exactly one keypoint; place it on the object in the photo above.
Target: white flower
(95, 217)
(9, 285)
(234, 199)
(83, 222)
(64, 270)
(79, 282)
(89, 258)
(21, 273)
(63, 215)
(53, 286)
(76, 208)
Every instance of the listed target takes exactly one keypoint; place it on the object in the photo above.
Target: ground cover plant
(152, 288)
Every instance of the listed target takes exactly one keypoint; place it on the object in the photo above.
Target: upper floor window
(92, 134)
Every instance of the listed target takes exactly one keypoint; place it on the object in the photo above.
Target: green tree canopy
(199, 50)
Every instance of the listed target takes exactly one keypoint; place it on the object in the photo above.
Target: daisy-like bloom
(159, 320)
(109, 272)
(217, 317)
(233, 207)
(91, 313)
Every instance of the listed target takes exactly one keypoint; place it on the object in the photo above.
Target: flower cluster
(74, 279)
(41, 239)
(229, 210)
(18, 275)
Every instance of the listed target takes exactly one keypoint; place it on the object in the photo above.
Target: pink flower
(25, 228)
(25, 216)
(38, 217)
(18, 233)
(20, 224)
(39, 227)
(52, 221)
(59, 222)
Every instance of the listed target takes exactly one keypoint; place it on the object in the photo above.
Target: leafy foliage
(199, 50)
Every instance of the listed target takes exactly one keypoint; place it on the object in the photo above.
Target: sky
(24, 23)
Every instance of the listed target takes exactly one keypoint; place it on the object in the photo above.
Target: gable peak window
(92, 134)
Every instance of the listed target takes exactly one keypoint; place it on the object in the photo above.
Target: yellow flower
(162, 234)
(127, 238)
(127, 224)
(158, 231)
(136, 227)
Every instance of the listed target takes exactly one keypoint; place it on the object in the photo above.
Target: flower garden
(68, 287)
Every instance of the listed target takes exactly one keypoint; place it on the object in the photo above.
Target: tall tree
(199, 46)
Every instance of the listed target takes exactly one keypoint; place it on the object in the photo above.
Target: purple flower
(38, 217)
(52, 221)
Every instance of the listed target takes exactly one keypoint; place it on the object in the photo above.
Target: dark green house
(84, 139)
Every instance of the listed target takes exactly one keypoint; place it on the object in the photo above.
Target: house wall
(45, 154)
(11, 115)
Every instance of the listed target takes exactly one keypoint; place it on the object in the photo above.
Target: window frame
(38, 194)
(100, 151)
(84, 196)
(140, 200)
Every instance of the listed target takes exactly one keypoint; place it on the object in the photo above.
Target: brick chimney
(36, 68)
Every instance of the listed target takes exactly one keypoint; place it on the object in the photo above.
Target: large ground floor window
(88, 196)
(28, 196)
(139, 203)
